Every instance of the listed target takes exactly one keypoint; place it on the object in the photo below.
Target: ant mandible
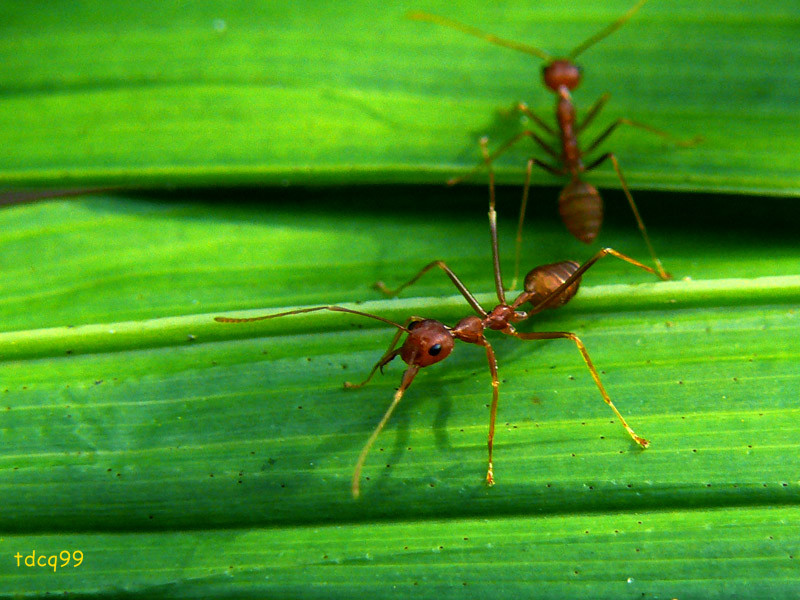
(429, 341)
(580, 204)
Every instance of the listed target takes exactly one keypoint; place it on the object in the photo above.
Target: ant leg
(504, 148)
(661, 272)
(544, 335)
(525, 110)
(498, 277)
(592, 113)
(545, 167)
(662, 134)
(408, 377)
(493, 411)
(387, 357)
(551, 297)
(443, 266)
(522, 208)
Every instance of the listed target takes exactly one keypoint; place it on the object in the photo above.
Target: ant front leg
(661, 272)
(544, 335)
(388, 356)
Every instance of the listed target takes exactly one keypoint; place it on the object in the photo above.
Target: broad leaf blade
(222, 93)
(552, 556)
(221, 455)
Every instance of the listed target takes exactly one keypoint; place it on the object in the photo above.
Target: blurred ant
(579, 204)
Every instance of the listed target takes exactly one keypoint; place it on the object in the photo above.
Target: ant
(579, 204)
(429, 341)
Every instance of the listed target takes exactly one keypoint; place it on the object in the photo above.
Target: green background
(186, 458)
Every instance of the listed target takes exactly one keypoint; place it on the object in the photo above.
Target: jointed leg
(522, 208)
(456, 281)
(592, 113)
(498, 277)
(661, 272)
(623, 121)
(525, 110)
(493, 410)
(504, 148)
(581, 270)
(571, 336)
(387, 357)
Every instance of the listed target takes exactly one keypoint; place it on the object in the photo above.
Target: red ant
(579, 203)
(430, 341)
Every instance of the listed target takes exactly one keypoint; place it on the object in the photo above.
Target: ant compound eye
(435, 349)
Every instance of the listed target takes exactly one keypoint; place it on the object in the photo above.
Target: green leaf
(185, 457)
(224, 92)
(150, 451)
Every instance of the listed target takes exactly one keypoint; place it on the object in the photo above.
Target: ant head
(561, 72)
(427, 343)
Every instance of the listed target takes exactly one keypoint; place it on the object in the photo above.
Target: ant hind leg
(544, 335)
(610, 156)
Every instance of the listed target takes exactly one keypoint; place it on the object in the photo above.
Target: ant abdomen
(581, 209)
(428, 342)
(542, 281)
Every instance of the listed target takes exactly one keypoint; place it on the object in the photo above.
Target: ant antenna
(607, 31)
(408, 376)
(418, 15)
(308, 310)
